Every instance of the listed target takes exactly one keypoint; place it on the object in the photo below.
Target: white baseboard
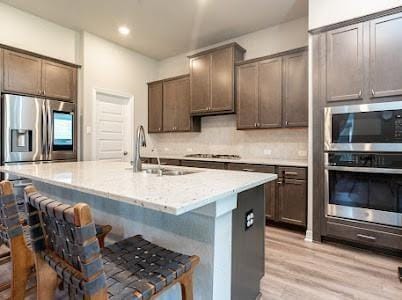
(309, 236)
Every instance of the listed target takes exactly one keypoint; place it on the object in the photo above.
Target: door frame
(130, 98)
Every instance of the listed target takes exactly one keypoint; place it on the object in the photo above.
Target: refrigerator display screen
(63, 128)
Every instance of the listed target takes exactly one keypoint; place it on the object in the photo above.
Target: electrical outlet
(267, 151)
(302, 153)
(189, 149)
(249, 219)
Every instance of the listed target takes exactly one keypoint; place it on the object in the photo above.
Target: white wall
(271, 40)
(28, 32)
(111, 67)
(326, 12)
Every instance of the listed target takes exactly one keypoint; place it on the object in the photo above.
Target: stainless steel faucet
(139, 141)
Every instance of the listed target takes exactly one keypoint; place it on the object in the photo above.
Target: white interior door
(113, 127)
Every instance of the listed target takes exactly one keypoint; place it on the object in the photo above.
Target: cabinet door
(345, 63)
(270, 200)
(270, 93)
(200, 83)
(385, 56)
(292, 202)
(222, 69)
(183, 118)
(295, 98)
(22, 73)
(59, 81)
(155, 100)
(247, 96)
(169, 105)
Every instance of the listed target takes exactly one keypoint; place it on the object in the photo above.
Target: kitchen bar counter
(218, 215)
(117, 181)
(243, 160)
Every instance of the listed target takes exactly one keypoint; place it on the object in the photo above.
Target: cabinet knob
(159, 129)
(372, 92)
(360, 93)
(287, 123)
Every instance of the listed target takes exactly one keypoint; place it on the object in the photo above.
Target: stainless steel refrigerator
(36, 130)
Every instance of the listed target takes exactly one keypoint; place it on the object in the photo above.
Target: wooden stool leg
(186, 283)
(46, 280)
(21, 262)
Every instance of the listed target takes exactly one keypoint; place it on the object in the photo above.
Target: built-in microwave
(364, 127)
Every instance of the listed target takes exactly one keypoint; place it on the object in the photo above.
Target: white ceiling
(164, 28)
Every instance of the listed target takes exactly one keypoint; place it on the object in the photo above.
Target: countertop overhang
(115, 180)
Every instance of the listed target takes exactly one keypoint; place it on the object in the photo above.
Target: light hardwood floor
(301, 270)
(295, 269)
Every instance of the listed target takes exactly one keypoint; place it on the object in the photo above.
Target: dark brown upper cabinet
(30, 75)
(272, 92)
(22, 73)
(59, 81)
(155, 106)
(176, 105)
(169, 106)
(212, 80)
(295, 89)
(345, 63)
(385, 65)
(247, 96)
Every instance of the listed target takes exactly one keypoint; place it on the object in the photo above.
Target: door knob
(125, 153)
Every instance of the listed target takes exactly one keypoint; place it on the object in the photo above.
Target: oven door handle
(364, 169)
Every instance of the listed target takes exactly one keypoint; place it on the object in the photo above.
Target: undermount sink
(167, 172)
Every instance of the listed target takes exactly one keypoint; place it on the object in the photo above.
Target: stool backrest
(10, 226)
(65, 237)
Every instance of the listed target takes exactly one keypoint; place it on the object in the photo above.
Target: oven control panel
(369, 160)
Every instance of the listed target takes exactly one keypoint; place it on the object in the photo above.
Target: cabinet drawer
(203, 164)
(292, 172)
(365, 236)
(251, 168)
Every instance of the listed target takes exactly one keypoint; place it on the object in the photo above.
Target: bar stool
(14, 233)
(64, 244)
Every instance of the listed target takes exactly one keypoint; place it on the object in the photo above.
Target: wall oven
(364, 186)
(375, 127)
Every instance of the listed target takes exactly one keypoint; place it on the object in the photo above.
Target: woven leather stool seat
(137, 269)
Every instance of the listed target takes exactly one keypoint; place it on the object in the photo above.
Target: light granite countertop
(115, 180)
(243, 160)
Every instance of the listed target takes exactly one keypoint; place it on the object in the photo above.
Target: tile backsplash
(219, 136)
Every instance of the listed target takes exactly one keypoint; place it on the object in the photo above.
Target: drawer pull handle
(366, 237)
(248, 170)
(291, 173)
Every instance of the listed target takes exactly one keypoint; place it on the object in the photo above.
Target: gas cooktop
(215, 156)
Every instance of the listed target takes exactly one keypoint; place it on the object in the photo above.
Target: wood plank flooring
(295, 269)
(301, 270)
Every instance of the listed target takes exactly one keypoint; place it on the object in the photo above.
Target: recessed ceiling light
(124, 30)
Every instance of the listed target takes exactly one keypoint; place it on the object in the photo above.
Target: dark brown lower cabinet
(292, 201)
(270, 200)
(203, 164)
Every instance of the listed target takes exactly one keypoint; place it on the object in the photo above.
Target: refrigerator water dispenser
(21, 140)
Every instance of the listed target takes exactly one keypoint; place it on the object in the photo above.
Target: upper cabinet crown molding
(272, 91)
(28, 74)
(212, 80)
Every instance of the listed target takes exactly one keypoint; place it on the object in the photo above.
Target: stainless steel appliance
(364, 186)
(36, 130)
(215, 156)
(375, 127)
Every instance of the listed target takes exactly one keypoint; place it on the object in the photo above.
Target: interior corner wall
(109, 66)
(326, 12)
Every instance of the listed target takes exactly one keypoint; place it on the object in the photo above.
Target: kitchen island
(217, 215)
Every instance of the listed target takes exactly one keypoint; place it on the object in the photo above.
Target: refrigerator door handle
(44, 131)
(49, 131)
